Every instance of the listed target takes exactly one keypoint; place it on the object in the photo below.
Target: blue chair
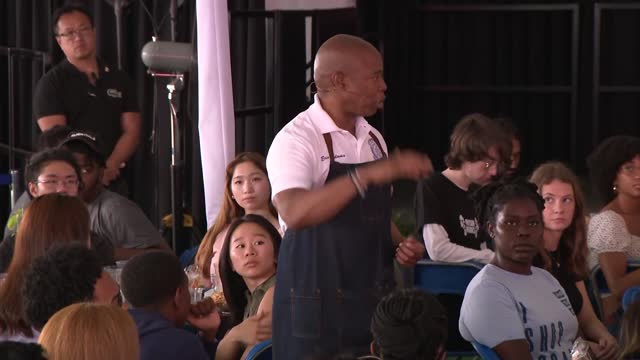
(485, 352)
(630, 296)
(445, 278)
(598, 285)
(261, 351)
(188, 256)
(439, 277)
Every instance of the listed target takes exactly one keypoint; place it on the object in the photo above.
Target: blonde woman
(90, 331)
(630, 333)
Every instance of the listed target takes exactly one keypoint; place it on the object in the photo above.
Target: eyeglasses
(490, 163)
(71, 34)
(630, 169)
(54, 183)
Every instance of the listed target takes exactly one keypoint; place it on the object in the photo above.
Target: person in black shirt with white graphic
(444, 213)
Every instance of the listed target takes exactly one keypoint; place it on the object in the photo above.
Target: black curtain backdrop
(27, 24)
(447, 58)
(567, 73)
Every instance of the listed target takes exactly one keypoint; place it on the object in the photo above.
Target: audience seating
(445, 278)
(630, 296)
(485, 352)
(597, 285)
(261, 351)
(439, 277)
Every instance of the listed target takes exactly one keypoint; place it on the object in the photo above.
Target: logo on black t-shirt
(469, 226)
(114, 93)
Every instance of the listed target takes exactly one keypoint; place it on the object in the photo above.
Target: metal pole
(10, 106)
(173, 14)
(177, 213)
(117, 9)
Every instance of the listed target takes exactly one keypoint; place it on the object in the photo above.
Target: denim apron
(331, 276)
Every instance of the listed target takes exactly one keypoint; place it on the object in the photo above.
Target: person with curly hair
(564, 252)
(614, 233)
(511, 306)
(65, 275)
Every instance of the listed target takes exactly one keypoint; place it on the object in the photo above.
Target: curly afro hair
(64, 275)
(605, 161)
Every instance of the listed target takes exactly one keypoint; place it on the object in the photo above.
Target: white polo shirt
(298, 157)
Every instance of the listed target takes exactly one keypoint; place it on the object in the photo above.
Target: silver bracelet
(355, 179)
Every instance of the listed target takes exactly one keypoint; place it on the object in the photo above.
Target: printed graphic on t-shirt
(469, 226)
(375, 150)
(114, 93)
(545, 338)
(564, 299)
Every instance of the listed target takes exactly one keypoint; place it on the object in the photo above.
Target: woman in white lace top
(614, 233)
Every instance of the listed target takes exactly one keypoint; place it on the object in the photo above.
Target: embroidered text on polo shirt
(326, 157)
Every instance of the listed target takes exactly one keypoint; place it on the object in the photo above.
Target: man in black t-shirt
(86, 94)
(445, 214)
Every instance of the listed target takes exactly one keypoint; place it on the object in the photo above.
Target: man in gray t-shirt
(122, 222)
(113, 216)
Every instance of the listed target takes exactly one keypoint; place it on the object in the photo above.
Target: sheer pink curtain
(215, 100)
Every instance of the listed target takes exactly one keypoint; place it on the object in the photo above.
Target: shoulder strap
(329, 143)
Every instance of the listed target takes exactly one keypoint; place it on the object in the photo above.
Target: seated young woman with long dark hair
(519, 310)
(247, 191)
(248, 269)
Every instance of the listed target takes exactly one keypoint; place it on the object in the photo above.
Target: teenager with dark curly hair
(65, 275)
(519, 310)
(614, 233)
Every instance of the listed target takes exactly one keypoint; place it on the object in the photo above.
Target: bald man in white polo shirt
(330, 174)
